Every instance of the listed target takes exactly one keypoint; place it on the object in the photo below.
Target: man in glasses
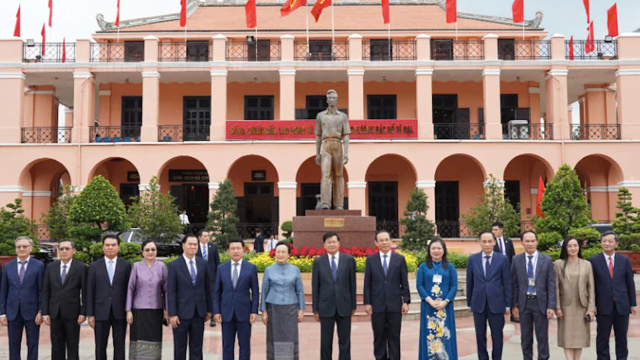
(20, 299)
(64, 301)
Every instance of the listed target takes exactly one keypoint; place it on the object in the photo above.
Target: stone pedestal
(353, 228)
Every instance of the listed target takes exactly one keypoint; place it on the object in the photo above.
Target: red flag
(64, 50)
(539, 199)
(571, 55)
(44, 37)
(518, 11)
(589, 46)
(612, 20)
(290, 5)
(318, 7)
(250, 13)
(50, 11)
(118, 15)
(183, 13)
(16, 31)
(586, 7)
(452, 11)
(385, 11)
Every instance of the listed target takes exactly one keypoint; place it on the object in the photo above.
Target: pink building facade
(430, 107)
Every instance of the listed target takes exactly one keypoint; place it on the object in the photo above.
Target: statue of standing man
(332, 130)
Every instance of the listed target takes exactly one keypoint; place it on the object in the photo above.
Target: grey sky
(76, 18)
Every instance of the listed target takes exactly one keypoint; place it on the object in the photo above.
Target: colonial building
(434, 105)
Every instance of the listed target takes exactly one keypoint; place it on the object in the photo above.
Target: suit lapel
(185, 268)
(537, 269)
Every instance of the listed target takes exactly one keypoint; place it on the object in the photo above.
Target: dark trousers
(496, 323)
(191, 332)
(15, 337)
(229, 331)
(386, 335)
(119, 336)
(620, 325)
(65, 336)
(327, 325)
(531, 317)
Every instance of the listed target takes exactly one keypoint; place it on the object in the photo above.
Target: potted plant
(627, 226)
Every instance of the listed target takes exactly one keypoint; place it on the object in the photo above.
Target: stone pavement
(361, 340)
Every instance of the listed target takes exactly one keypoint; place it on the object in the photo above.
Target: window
(320, 50)
(508, 107)
(259, 50)
(258, 107)
(316, 104)
(381, 107)
(506, 49)
(131, 116)
(441, 49)
(197, 51)
(196, 118)
(381, 49)
(133, 51)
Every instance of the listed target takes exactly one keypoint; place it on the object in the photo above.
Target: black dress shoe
(212, 323)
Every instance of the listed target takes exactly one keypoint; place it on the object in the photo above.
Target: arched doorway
(122, 174)
(599, 176)
(187, 180)
(459, 183)
(390, 178)
(308, 182)
(42, 182)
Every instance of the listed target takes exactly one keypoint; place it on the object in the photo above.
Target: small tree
(627, 222)
(13, 223)
(155, 213)
(222, 217)
(418, 229)
(57, 218)
(493, 206)
(287, 229)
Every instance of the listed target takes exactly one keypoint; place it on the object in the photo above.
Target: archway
(122, 174)
(187, 180)
(308, 186)
(599, 176)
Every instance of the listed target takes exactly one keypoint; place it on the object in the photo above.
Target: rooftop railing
(455, 50)
(524, 50)
(321, 50)
(383, 50)
(179, 51)
(52, 52)
(260, 50)
(599, 50)
(123, 51)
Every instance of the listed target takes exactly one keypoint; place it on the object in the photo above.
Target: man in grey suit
(534, 295)
(333, 285)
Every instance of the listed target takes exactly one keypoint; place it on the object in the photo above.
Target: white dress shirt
(106, 261)
(382, 258)
(69, 266)
(195, 266)
(233, 264)
(613, 259)
(337, 256)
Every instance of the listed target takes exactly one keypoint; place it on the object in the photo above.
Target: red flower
(313, 252)
(295, 252)
(272, 253)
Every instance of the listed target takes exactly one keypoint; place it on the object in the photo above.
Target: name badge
(532, 282)
(437, 278)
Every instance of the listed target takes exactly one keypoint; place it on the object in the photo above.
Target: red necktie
(610, 267)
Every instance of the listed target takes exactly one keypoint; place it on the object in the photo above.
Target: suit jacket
(25, 296)
(509, 249)
(258, 244)
(241, 301)
(386, 293)
(621, 287)
(586, 288)
(544, 278)
(331, 297)
(185, 299)
(68, 300)
(103, 297)
(496, 285)
(213, 261)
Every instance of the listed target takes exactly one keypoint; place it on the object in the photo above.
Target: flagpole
(306, 15)
(256, 40)
(389, 39)
(333, 35)
(456, 29)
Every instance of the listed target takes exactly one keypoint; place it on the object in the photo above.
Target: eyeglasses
(150, 250)
(64, 249)
(23, 246)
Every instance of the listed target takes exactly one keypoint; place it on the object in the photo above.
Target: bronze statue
(332, 130)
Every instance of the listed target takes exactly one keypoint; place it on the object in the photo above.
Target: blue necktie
(64, 274)
(110, 271)
(193, 273)
(334, 268)
(500, 245)
(204, 252)
(385, 267)
(487, 265)
(530, 289)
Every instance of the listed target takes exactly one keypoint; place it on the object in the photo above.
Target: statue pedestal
(353, 228)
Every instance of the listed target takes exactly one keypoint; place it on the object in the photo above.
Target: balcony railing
(122, 51)
(179, 51)
(456, 50)
(453, 229)
(114, 134)
(383, 51)
(260, 50)
(248, 230)
(603, 50)
(393, 227)
(530, 131)
(458, 131)
(525, 50)
(595, 132)
(180, 133)
(46, 135)
(53, 53)
(315, 51)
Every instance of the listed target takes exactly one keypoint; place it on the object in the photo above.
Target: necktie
(193, 273)
(501, 247)
(23, 269)
(487, 265)
(204, 252)
(530, 289)
(234, 276)
(63, 276)
(110, 271)
(610, 267)
(334, 268)
(385, 267)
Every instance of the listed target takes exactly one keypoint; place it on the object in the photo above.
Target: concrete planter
(634, 258)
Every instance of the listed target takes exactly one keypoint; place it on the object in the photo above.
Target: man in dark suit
(333, 284)
(386, 297)
(534, 296)
(615, 297)
(209, 252)
(503, 245)
(20, 299)
(190, 300)
(107, 297)
(488, 294)
(64, 296)
(235, 301)
(258, 244)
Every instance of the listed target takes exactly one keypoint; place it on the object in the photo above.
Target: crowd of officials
(195, 289)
